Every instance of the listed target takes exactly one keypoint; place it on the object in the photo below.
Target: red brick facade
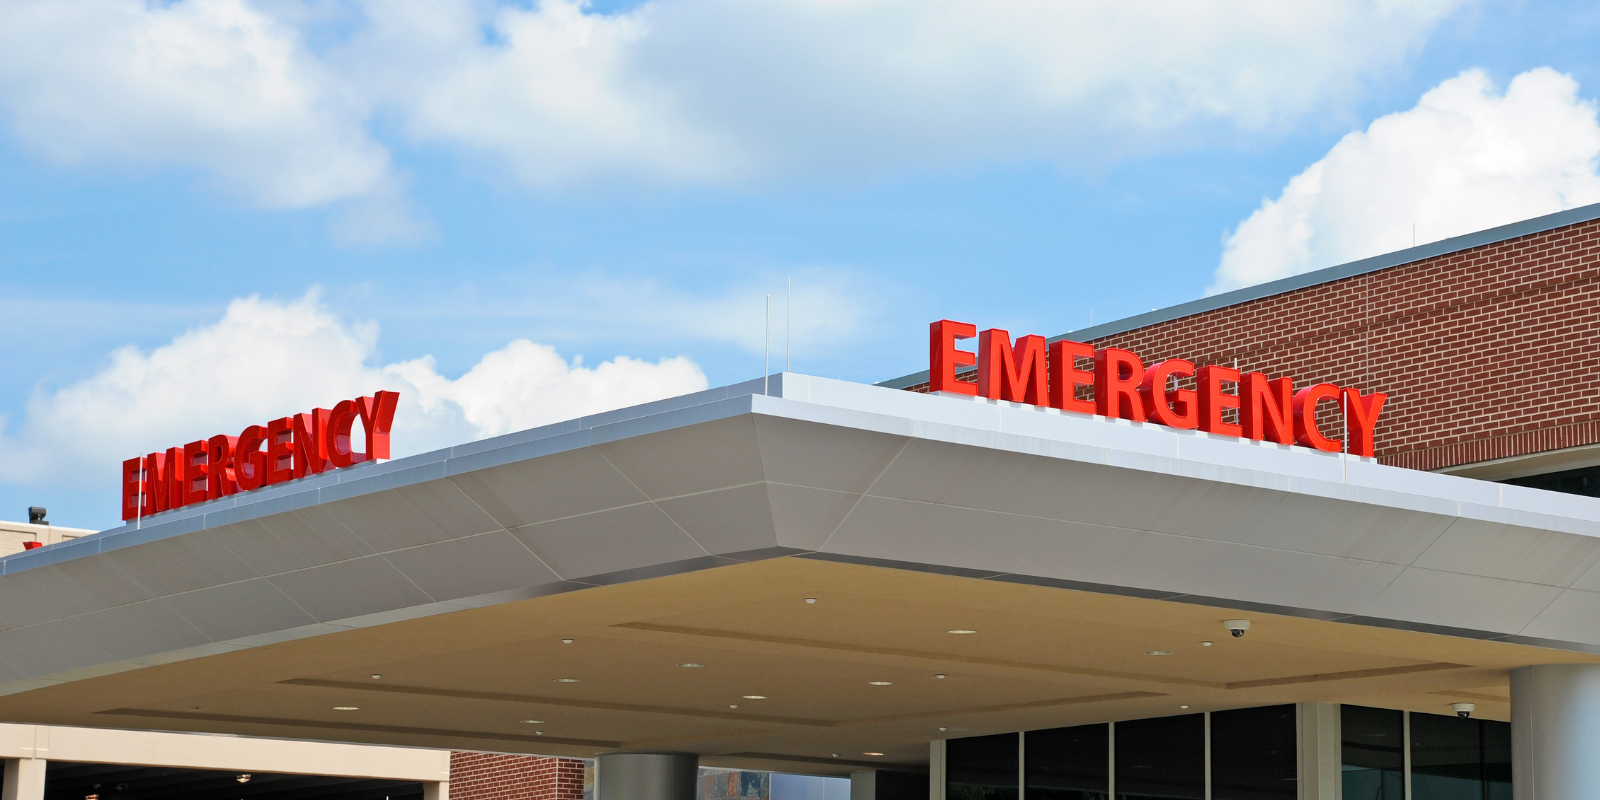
(491, 776)
(1485, 353)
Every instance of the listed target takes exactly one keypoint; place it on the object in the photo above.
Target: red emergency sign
(261, 455)
(1030, 371)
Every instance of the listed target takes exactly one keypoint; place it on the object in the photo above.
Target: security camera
(1237, 627)
(1463, 710)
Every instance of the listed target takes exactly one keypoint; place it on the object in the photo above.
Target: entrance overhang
(692, 530)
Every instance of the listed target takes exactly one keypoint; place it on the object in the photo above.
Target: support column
(864, 784)
(436, 790)
(936, 770)
(1555, 731)
(1320, 742)
(646, 776)
(24, 779)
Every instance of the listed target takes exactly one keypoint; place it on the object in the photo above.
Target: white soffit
(818, 469)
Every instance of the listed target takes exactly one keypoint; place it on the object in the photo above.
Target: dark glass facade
(1373, 750)
(1162, 758)
(1459, 759)
(982, 768)
(1068, 763)
(1253, 754)
(1585, 481)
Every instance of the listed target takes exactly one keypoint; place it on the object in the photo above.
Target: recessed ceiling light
(944, 729)
(690, 664)
(1158, 652)
(940, 676)
(566, 641)
(376, 676)
(871, 754)
(538, 733)
(532, 721)
(1183, 707)
(881, 683)
(755, 697)
(961, 630)
(568, 680)
(1205, 644)
(733, 705)
(835, 755)
(346, 708)
(811, 599)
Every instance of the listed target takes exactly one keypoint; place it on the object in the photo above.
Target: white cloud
(1464, 159)
(715, 90)
(214, 85)
(265, 359)
(555, 92)
(818, 84)
(673, 91)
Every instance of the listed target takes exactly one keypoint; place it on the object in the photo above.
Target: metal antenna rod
(1344, 444)
(138, 518)
(788, 325)
(766, 351)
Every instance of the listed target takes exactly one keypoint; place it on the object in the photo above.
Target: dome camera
(1237, 627)
(1463, 710)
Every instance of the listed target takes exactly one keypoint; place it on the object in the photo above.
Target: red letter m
(1014, 373)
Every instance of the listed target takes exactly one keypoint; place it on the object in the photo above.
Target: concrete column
(1320, 743)
(24, 779)
(1555, 732)
(436, 790)
(936, 770)
(864, 784)
(646, 776)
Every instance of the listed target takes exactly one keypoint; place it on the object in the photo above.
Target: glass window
(1068, 763)
(1162, 758)
(1585, 481)
(1497, 759)
(1446, 758)
(1374, 753)
(981, 768)
(1253, 754)
(1459, 759)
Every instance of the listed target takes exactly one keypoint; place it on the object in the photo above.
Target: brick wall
(491, 776)
(1485, 353)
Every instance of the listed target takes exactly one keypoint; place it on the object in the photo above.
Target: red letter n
(311, 442)
(1267, 408)
(1014, 373)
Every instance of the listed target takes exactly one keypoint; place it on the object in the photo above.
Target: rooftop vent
(36, 516)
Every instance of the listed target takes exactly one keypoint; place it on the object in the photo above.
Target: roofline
(1560, 219)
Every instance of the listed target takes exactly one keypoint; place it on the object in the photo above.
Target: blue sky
(655, 234)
